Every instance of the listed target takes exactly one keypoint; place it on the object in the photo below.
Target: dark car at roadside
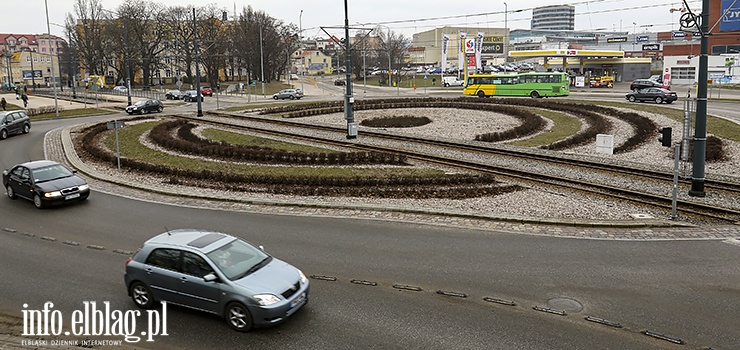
(145, 106)
(191, 96)
(44, 182)
(173, 94)
(657, 94)
(640, 84)
(339, 82)
(14, 122)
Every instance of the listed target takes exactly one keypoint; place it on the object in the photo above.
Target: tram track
(311, 133)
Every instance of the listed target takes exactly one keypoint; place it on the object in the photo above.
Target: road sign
(425, 77)
(116, 124)
(642, 38)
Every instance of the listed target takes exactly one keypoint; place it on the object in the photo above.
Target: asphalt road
(685, 289)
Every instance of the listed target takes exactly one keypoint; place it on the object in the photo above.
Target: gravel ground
(461, 126)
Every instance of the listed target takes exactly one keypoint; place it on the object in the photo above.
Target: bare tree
(395, 46)
(147, 26)
(85, 32)
(277, 38)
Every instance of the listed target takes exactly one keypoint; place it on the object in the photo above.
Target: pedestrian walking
(3, 103)
(24, 97)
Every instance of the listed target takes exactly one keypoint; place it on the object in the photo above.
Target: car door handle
(148, 271)
(183, 279)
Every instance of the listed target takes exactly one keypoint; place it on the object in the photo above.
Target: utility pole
(348, 98)
(262, 63)
(53, 77)
(700, 130)
(197, 67)
(300, 45)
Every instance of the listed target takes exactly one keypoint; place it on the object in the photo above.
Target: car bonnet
(60, 184)
(275, 277)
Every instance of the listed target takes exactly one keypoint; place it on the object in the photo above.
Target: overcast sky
(405, 16)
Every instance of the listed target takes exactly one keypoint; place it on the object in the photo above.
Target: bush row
(401, 121)
(644, 128)
(447, 186)
(189, 143)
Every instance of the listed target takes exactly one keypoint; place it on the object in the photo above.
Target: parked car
(14, 122)
(288, 93)
(217, 273)
(435, 70)
(173, 94)
(45, 182)
(120, 89)
(640, 84)
(656, 78)
(206, 91)
(145, 106)
(191, 96)
(452, 81)
(339, 82)
(294, 77)
(657, 94)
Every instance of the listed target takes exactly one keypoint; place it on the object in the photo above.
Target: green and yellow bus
(532, 84)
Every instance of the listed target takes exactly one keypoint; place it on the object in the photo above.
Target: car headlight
(303, 277)
(52, 194)
(266, 299)
(83, 187)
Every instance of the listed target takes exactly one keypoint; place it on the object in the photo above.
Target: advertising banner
(461, 55)
(478, 49)
(731, 19)
(445, 45)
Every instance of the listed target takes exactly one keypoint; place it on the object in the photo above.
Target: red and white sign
(469, 45)
(571, 52)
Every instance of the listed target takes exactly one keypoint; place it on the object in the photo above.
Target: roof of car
(203, 240)
(37, 164)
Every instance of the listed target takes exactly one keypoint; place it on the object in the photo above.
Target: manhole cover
(565, 304)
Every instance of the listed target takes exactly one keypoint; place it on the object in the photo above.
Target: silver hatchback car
(217, 273)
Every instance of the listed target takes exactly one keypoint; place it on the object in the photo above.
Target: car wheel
(292, 97)
(10, 192)
(3, 134)
(159, 109)
(534, 94)
(445, 85)
(142, 111)
(481, 94)
(668, 102)
(632, 98)
(26, 128)
(658, 100)
(274, 97)
(238, 317)
(38, 202)
(141, 295)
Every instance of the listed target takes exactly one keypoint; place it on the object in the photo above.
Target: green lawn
(565, 126)
(130, 147)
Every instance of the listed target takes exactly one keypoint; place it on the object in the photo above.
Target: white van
(452, 81)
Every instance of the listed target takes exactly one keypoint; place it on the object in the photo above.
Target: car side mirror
(262, 248)
(210, 277)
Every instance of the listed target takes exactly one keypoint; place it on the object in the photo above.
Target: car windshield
(237, 259)
(140, 103)
(49, 173)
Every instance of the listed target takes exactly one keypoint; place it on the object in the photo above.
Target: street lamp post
(300, 45)
(262, 64)
(197, 67)
(506, 26)
(53, 76)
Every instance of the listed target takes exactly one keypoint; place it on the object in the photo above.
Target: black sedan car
(45, 182)
(173, 94)
(659, 95)
(145, 106)
(191, 96)
(640, 84)
(14, 122)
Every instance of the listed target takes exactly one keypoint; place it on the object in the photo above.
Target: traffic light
(665, 136)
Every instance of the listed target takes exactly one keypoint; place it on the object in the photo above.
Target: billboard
(622, 39)
(731, 19)
(493, 44)
(28, 75)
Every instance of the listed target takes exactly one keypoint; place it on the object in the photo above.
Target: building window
(43, 49)
(168, 73)
(28, 58)
(35, 58)
(683, 73)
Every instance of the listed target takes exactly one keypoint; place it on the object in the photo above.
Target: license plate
(72, 196)
(298, 300)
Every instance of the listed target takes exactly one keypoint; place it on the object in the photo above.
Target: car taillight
(128, 260)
